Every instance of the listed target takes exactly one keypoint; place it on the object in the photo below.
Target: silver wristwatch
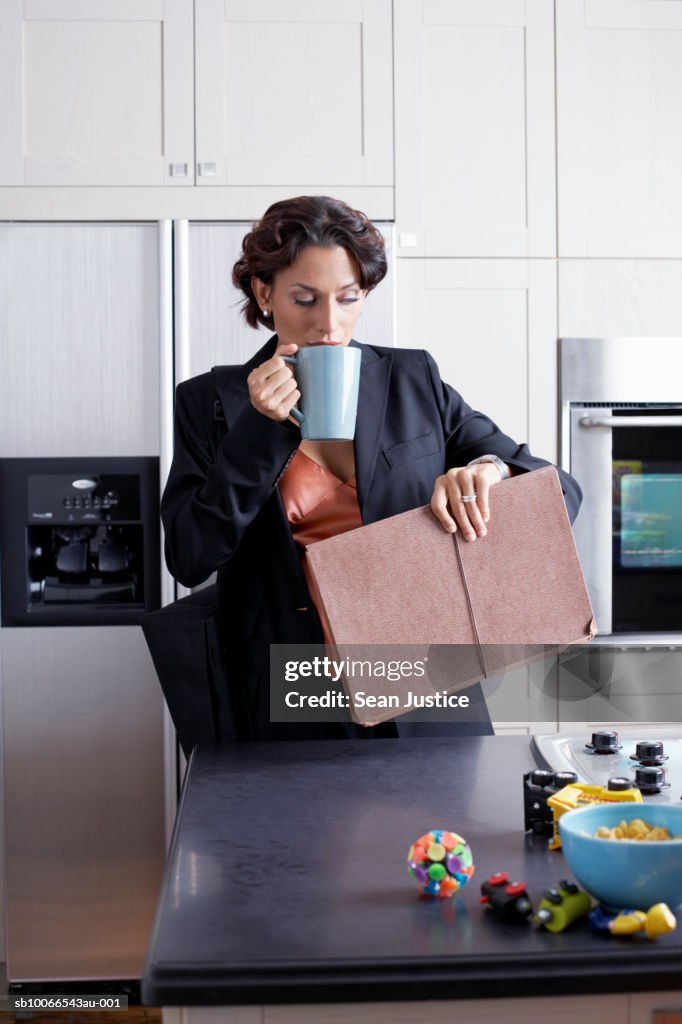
(496, 461)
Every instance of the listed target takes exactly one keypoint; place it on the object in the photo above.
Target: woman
(245, 493)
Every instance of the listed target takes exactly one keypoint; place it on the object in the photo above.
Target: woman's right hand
(272, 386)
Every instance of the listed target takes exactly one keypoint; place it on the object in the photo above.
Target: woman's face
(316, 300)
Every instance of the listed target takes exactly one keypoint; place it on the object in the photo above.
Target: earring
(266, 311)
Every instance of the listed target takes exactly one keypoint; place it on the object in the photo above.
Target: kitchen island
(287, 884)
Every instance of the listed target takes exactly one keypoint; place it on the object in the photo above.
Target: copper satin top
(318, 505)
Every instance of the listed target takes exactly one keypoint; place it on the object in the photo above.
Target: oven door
(629, 532)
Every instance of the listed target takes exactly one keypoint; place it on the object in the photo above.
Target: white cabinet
(618, 688)
(294, 91)
(475, 163)
(96, 92)
(281, 93)
(621, 299)
(619, 75)
(491, 326)
(635, 1008)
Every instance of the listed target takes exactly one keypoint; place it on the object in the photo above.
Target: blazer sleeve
(469, 433)
(216, 486)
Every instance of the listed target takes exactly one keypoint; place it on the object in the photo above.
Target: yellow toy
(658, 920)
(579, 794)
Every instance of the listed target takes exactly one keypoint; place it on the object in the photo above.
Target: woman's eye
(345, 301)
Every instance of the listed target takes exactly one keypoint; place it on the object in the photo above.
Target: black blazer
(222, 511)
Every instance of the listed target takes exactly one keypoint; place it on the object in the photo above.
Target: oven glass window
(647, 526)
(651, 524)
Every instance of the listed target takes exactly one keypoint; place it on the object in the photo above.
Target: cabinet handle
(207, 170)
(178, 170)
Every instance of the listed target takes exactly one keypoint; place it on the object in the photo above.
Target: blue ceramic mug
(328, 377)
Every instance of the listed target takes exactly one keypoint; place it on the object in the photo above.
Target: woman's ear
(261, 291)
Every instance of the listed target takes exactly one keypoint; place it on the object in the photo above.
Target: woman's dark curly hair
(288, 227)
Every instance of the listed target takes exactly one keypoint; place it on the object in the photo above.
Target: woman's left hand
(472, 482)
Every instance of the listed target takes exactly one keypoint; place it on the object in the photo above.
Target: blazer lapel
(373, 395)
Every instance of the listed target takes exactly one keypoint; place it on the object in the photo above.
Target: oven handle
(631, 421)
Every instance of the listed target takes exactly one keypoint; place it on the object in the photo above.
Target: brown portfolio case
(404, 584)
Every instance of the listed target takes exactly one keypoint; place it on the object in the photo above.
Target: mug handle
(294, 412)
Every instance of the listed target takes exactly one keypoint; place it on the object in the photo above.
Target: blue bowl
(621, 873)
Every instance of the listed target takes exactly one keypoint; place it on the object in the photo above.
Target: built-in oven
(621, 402)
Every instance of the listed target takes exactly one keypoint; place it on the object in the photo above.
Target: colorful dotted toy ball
(441, 862)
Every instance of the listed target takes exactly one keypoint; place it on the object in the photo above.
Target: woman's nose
(328, 320)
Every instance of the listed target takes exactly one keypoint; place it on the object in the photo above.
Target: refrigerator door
(83, 728)
(83, 750)
(80, 345)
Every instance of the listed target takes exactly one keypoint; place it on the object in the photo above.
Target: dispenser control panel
(65, 498)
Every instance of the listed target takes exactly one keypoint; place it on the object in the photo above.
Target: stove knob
(541, 777)
(649, 751)
(650, 779)
(604, 743)
(562, 779)
(618, 783)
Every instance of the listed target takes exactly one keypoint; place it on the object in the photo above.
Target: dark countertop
(287, 882)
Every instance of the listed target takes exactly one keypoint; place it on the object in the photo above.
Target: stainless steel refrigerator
(97, 324)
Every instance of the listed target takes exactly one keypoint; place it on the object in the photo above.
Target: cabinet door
(293, 92)
(619, 72)
(491, 327)
(607, 686)
(475, 163)
(622, 299)
(96, 92)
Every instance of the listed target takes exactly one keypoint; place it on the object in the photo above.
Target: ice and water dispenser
(79, 540)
